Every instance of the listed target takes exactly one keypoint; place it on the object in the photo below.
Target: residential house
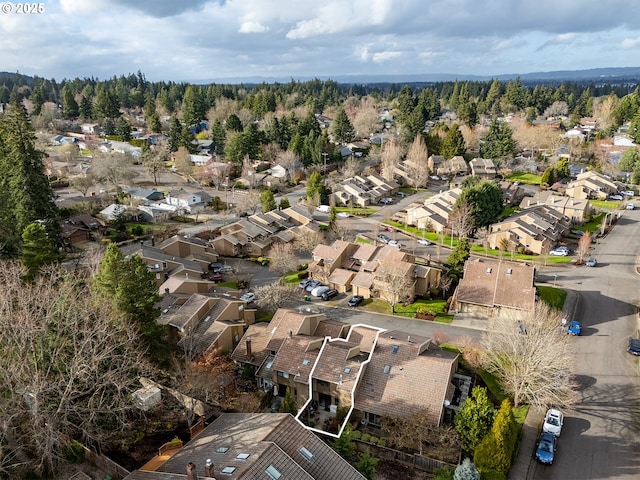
(434, 214)
(329, 258)
(192, 248)
(578, 210)
(591, 184)
(406, 376)
(164, 265)
(454, 166)
(156, 212)
(536, 229)
(325, 366)
(79, 228)
(90, 128)
(252, 446)
(200, 160)
(185, 201)
(243, 237)
(363, 190)
(206, 321)
(434, 162)
(483, 168)
(511, 194)
(145, 194)
(490, 289)
(115, 210)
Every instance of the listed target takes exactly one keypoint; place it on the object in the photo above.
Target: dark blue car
(546, 450)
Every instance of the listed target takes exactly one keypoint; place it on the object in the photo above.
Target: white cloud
(252, 27)
(380, 57)
(631, 42)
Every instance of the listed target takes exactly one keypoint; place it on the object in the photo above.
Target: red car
(215, 277)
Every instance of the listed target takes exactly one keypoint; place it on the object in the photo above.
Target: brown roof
(363, 279)
(406, 375)
(340, 363)
(187, 311)
(365, 251)
(363, 336)
(267, 440)
(297, 356)
(329, 328)
(259, 333)
(505, 284)
(340, 276)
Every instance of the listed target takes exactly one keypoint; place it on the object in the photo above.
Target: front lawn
(380, 306)
(358, 211)
(553, 296)
(605, 204)
(523, 177)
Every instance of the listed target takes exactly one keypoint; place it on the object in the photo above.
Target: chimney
(191, 471)
(249, 353)
(290, 333)
(166, 291)
(208, 468)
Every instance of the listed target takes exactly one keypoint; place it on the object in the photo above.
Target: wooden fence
(105, 464)
(414, 460)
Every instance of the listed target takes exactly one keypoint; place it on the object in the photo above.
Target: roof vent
(488, 270)
(509, 271)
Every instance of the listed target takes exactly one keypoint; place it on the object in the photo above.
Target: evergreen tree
(37, 249)
(123, 130)
(466, 471)
(562, 169)
(494, 452)
(457, 258)
(69, 105)
(86, 107)
(193, 107)
(288, 404)
(25, 193)
(109, 127)
(343, 445)
(367, 465)
(342, 128)
(548, 177)
(498, 142)
(485, 199)
(175, 135)
(219, 136)
(474, 419)
(268, 201)
(315, 187)
(133, 290)
(453, 143)
(233, 123)
(284, 203)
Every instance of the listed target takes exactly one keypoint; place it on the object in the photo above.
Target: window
(347, 370)
(306, 453)
(305, 362)
(322, 383)
(228, 470)
(387, 368)
(242, 456)
(394, 349)
(273, 473)
(222, 449)
(283, 374)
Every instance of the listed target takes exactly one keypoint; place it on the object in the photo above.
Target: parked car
(434, 177)
(560, 252)
(634, 346)
(342, 215)
(305, 283)
(248, 297)
(615, 197)
(546, 449)
(355, 300)
(386, 201)
(329, 294)
(215, 277)
(574, 328)
(311, 285)
(591, 262)
(577, 233)
(319, 290)
(223, 269)
(383, 238)
(444, 178)
(215, 265)
(401, 194)
(628, 193)
(388, 228)
(424, 241)
(395, 243)
(323, 208)
(553, 422)
(630, 206)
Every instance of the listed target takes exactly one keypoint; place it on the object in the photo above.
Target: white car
(553, 421)
(318, 291)
(434, 177)
(248, 297)
(628, 193)
(395, 243)
(615, 197)
(342, 215)
(424, 241)
(630, 206)
(559, 252)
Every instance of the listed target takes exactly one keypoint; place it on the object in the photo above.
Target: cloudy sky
(195, 40)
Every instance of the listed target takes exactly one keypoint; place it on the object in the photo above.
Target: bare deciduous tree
(351, 167)
(394, 282)
(584, 245)
(291, 163)
(277, 295)
(250, 202)
(283, 258)
(154, 160)
(415, 432)
(531, 357)
(366, 121)
(308, 240)
(69, 364)
(83, 183)
(391, 155)
(460, 219)
(417, 163)
(114, 169)
(183, 163)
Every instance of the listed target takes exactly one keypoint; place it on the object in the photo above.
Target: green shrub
(303, 274)
(374, 439)
(74, 452)
(366, 437)
(356, 435)
(382, 442)
(488, 474)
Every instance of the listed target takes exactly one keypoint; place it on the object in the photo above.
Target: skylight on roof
(305, 362)
(347, 370)
(273, 473)
(228, 470)
(242, 456)
(306, 453)
(394, 349)
(387, 368)
(222, 449)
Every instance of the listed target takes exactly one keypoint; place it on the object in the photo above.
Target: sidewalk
(520, 470)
